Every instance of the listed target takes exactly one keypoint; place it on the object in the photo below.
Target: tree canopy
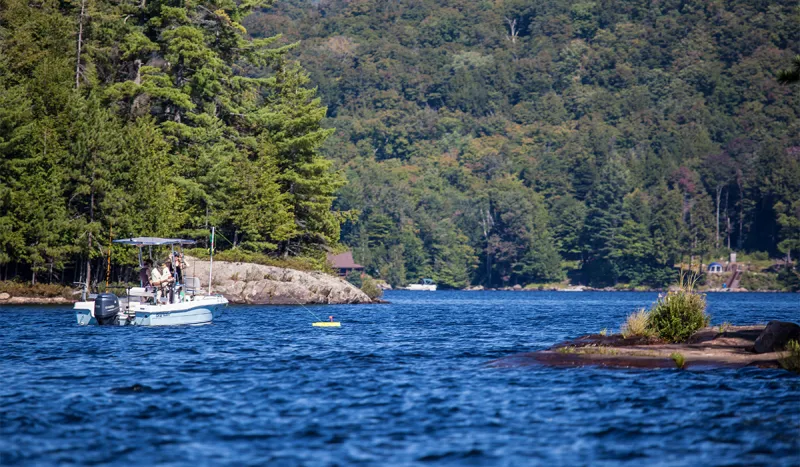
(157, 117)
(497, 143)
(514, 141)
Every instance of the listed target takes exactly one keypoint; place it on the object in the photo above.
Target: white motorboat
(424, 284)
(183, 304)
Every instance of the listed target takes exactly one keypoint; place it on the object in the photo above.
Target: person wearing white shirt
(161, 279)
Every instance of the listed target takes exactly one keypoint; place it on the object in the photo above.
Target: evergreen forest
(500, 143)
(518, 141)
(148, 118)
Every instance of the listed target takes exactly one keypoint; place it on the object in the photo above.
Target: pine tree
(604, 218)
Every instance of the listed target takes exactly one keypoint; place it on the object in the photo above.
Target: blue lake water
(405, 383)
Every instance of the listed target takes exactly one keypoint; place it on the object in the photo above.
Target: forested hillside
(506, 142)
(136, 118)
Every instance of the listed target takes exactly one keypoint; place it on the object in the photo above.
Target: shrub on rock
(791, 357)
(678, 314)
(370, 287)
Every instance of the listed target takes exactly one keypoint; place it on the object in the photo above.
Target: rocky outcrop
(710, 347)
(9, 300)
(776, 335)
(270, 285)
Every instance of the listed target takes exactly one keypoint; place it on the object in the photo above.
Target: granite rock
(775, 336)
(269, 285)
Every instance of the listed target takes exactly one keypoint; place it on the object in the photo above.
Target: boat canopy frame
(153, 241)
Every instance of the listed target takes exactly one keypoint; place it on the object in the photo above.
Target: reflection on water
(396, 384)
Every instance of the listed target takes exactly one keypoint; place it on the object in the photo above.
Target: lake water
(404, 383)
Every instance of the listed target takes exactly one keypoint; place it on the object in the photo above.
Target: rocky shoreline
(711, 347)
(7, 299)
(254, 284)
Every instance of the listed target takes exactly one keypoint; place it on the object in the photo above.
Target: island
(760, 346)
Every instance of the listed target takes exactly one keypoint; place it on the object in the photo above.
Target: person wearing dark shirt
(177, 266)
(144, 273)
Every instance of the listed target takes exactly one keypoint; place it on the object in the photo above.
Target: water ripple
(404, 383)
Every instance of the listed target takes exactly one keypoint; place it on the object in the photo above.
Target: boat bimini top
(153, 241)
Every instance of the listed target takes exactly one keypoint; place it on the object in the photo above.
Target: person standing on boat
(177, 264)
(144, 273)
(144, 278)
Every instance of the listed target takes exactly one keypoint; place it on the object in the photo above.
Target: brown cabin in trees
(343, 263)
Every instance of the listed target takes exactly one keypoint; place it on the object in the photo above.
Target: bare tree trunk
(512, 26)
(729, 233)
(719, 200)
(80, 44)
(727, 219)
(486, 223)
(33, 273)
(740, 185)
(89, 256)
(138, 79)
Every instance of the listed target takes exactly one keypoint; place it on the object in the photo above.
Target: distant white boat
(186, 303)
(578, 288)
(424, 284)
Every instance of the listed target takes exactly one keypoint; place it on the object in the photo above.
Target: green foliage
(483, 143)
(678, 314)
(589, 130)
(790, 358)
(791, 75)
(370, 287)
(354, 277)
(20, 289)
(789, 279)
(759, 256)
(679, 359)
(760, 281)
(169, 119)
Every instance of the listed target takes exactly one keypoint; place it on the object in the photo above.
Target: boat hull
(430, 287)
(199, 311)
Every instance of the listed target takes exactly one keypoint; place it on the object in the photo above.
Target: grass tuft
(680, 361)
(636, 324)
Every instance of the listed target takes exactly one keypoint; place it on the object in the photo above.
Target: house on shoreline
(344, 264)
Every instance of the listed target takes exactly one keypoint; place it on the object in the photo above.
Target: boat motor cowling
(106, 308)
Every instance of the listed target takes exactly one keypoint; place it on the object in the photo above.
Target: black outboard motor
(106, 308)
